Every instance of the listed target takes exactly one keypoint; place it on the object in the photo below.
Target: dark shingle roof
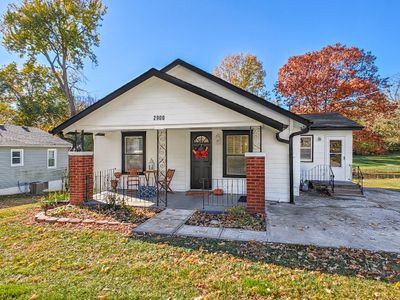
(331, 121)
(12, 135)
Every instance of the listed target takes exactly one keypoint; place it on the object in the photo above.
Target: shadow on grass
(17, 200)
(343, 261)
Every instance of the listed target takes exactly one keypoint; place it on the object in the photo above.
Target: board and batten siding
(34, 168)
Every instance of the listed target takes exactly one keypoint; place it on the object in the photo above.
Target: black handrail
(359, 176)
(320, 174)
(332, 179)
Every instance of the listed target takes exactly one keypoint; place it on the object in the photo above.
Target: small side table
(148, 174)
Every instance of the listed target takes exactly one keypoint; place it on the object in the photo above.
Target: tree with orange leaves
(335, 79)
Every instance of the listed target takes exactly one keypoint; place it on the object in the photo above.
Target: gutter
(290, 142)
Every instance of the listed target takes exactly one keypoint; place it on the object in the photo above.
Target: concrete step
(349, 197)
(347, 191)
(348, 186)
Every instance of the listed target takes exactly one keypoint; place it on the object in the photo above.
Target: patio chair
(165, 183)
(132, 182)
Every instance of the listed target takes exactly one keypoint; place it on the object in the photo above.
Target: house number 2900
(158, 117)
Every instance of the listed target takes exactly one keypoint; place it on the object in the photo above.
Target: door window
(335, 153)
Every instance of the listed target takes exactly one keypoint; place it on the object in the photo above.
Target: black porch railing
(112, 187)
(223, 193)
(358, 177)
(321, 176)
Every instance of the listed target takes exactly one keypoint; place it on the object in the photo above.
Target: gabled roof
(331, 121)
(236, 89)
(22, 136)
(180, 83)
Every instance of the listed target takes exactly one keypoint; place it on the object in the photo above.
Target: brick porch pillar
(255, 182)
(80, 177)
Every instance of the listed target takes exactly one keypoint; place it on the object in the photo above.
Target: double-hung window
(133, 151)
(306, 148)
(17, 157)
(51, 158)
(236, 144)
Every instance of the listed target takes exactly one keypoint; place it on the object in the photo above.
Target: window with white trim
(17, 157)
(51, 158)
(306, 148)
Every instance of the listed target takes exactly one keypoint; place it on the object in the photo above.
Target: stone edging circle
(42, 217)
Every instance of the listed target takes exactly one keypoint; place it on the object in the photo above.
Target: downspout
(290, 142)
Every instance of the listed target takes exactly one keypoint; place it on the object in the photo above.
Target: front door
(200, 149)
(336, 158)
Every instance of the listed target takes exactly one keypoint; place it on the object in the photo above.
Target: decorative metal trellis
(257, 138)
(162, 166)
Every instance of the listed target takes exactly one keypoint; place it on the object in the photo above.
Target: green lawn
(374, 166)
(42, 261)
(381, 162)
(393, 184)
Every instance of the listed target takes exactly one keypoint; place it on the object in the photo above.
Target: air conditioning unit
(38, 187)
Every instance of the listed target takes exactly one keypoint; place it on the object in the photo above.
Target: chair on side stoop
(165, 183)
(132, 182)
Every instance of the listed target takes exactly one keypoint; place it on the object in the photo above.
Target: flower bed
(98, 215)
(235, 217)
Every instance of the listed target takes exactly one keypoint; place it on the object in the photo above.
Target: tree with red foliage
(336, 79)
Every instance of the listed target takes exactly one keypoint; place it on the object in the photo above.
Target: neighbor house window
(236, 144)
(133, 151)
(51, 158)
(306, 148)
(17, 157)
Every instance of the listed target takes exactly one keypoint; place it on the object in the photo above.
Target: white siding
(107, 155)
(277, 167)
(209, 85)
(321, 150)
(136, 108)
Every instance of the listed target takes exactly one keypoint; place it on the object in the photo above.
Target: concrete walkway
(372, 223)
(166, 222)
(172, 221)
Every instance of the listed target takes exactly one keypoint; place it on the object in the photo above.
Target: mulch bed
(241, 220)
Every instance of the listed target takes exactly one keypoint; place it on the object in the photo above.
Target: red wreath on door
(201, 153)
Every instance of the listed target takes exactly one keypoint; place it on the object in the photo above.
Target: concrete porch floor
(177, 200)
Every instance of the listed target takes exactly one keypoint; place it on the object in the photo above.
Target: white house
(204, 126)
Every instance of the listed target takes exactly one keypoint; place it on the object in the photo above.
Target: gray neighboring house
(27, 155)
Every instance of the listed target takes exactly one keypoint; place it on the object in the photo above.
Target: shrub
(53, 199)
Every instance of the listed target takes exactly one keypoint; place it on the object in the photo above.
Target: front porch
(208, 165)
(215, 195)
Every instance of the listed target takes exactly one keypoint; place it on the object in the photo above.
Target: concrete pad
(372, 223)
(199, 231)
(243, 235)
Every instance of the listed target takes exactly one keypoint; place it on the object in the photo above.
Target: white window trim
(311, 148)
(55, 158)
(21, 163)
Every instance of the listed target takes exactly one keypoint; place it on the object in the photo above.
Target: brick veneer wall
(255, 182)
(80, 177)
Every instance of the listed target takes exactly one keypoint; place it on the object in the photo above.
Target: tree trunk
(69, 95)
(71, 100)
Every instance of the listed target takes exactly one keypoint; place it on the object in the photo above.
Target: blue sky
(138, 35)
